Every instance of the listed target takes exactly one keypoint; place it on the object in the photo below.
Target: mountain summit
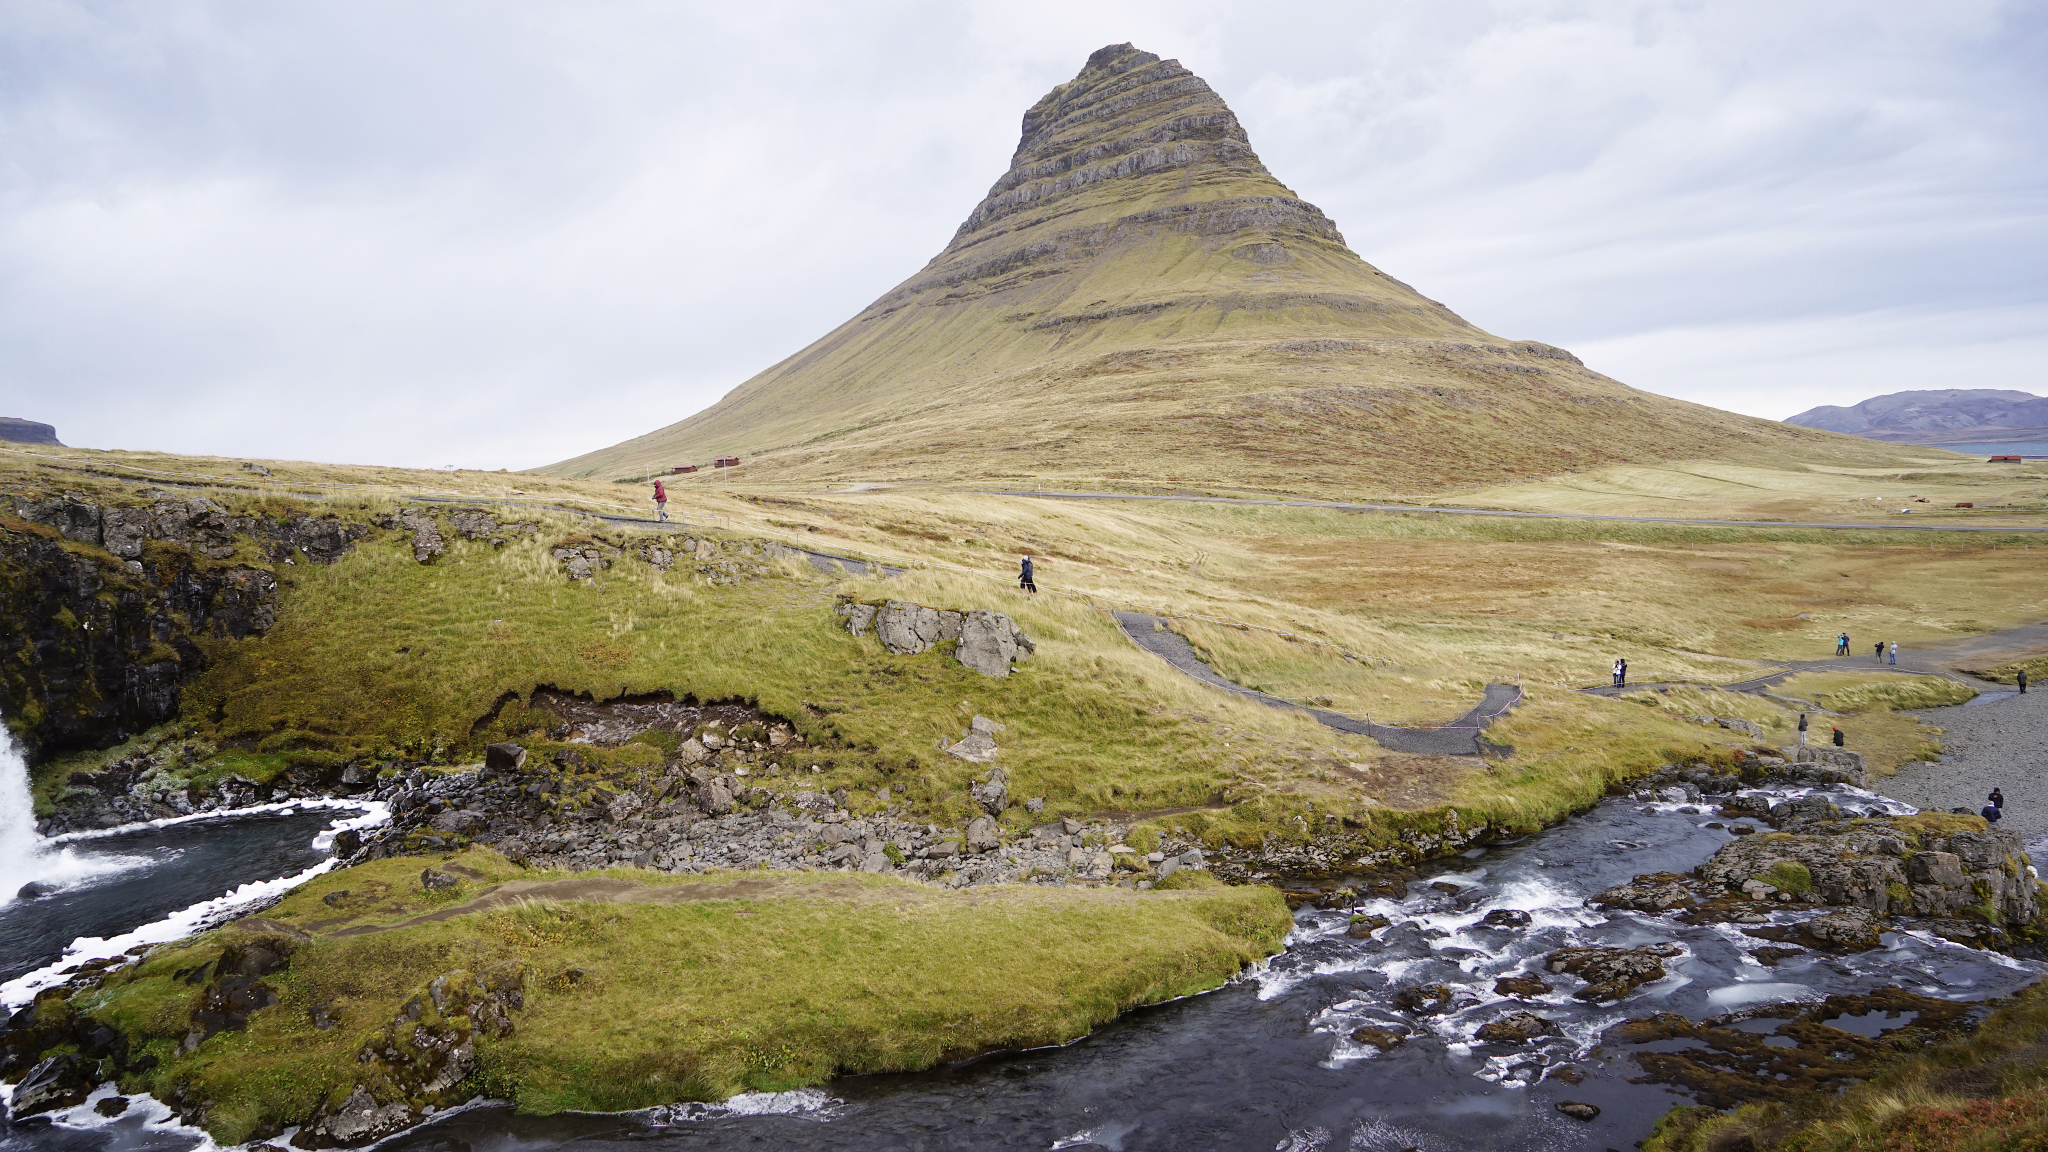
(1137, 299)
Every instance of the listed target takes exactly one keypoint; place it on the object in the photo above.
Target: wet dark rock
(1578, 1110)
(1525, 985)
(111, 1106)
(1505, 918)
(1611, 973)
(35, 890)
(1424, 999)
(1517, 1028)
(58, 1082)
(1656, 893)
(1770, 956)
(347, 843)
(432, 880)
(1362, 927)
(1742, 830)
(1384, 1039)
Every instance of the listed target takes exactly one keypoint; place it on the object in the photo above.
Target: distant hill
(1937, 416)
(1138, 299)
(15, 430)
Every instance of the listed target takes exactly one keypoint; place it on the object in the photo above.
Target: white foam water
(26, 858)
(197, 917)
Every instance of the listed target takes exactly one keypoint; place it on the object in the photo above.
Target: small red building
(727, 462)
(2004, 460)
(679, 469)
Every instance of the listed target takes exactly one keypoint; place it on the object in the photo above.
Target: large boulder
(990, 642)
(1829, 765)
(907, 629)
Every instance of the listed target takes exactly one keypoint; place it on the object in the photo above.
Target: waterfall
(21, 850)
(25, 856)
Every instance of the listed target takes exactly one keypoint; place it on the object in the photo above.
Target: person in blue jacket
(1026, 579)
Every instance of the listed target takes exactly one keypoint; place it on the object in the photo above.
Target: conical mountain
(1139, 299)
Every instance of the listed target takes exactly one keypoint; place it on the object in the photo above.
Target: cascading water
(26, 858)
(19, 850)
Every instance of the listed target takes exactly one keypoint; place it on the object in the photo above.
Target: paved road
(1884, 527)
(1461, 738)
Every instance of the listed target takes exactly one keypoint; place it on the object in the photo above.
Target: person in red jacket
(660, 500)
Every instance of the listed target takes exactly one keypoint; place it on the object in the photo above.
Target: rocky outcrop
(195, 523)
(987, 642)
(1611, 973)
(420, 1060)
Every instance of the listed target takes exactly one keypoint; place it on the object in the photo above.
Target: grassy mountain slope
(1138, 298)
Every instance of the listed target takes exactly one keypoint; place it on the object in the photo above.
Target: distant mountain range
(1937, 416)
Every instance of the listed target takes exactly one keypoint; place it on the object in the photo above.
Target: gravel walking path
(2000, 742)
(1461, 738)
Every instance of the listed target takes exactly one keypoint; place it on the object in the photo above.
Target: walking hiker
(1880, 651)
(2023, 681)
(1802, 729)
(1997, 799)
(1895, 652)
(660, 500)
(1838, 738)
(1025, 578)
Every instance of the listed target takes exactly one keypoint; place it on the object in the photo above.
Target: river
(1266, 1062)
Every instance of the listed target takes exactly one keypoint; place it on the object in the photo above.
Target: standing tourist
(1895, 651)
(1879, 656)
(1026, 579)
(1802, 729)
(1839, 740)
(1842, 644)
(660, 500)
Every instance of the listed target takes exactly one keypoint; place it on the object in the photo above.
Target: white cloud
(500, 234)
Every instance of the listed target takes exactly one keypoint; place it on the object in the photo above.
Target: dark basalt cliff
(104, 605)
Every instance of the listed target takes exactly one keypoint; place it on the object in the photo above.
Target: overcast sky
(497, 234)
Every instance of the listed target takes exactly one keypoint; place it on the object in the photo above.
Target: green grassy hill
(1138, 298)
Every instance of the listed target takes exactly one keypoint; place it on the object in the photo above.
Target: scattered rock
(1505, 918)
(992, 791)
(981, 835)
(1425, 999)
(432, 880)
(1526, 985)
(1578, 1110)
(1516, 1028)
(1362, 927)
(1611, 973)
(1384, 1039)
(506, 757)
(1656, 893)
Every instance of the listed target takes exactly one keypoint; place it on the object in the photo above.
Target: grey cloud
(500, 234)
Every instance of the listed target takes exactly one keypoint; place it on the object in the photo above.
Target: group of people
(1996, 808)
(1880, 652)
